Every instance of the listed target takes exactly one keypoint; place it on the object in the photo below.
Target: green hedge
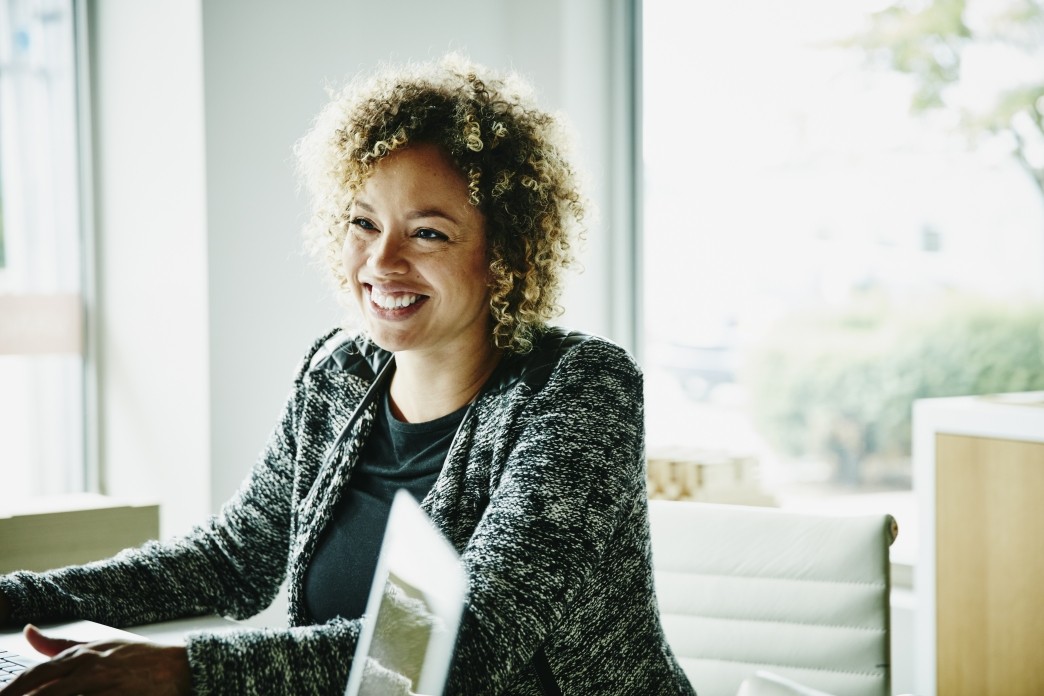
(840, 383)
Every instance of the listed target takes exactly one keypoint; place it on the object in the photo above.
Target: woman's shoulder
(563, 343)
(557, 350)
(342, 350)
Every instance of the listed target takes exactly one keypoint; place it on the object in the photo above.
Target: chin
(390, 343)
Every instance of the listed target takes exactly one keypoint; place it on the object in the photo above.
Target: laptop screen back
(413, 612)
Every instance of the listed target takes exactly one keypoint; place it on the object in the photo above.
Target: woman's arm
(5, 611)
(578, 466)
(303, 660)
(232, 564)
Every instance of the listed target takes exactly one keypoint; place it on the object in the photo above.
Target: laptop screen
(413, 612)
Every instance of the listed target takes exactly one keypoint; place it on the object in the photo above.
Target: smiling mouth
(392, 301)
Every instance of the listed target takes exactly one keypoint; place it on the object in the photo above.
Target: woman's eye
(428, 233)
(362, 223)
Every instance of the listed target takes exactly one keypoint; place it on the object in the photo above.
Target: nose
(386, 256)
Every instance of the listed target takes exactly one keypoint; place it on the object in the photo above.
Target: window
(834, 225)
(41, 315)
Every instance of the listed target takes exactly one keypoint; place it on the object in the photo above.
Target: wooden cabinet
(979, 477)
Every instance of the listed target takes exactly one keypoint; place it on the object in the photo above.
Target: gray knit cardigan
(543, 493)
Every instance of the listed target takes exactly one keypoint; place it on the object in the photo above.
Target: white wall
(206, 301)
(150, 220)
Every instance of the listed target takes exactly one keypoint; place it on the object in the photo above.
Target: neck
(425, 387)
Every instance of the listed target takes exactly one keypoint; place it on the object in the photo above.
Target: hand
(110, 668)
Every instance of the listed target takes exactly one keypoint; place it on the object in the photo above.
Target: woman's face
(415, 256)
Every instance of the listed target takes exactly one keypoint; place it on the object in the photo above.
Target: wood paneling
(989, 566)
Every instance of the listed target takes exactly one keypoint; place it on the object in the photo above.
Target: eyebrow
(413, 214)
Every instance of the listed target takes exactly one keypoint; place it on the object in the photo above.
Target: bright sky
(780, 170)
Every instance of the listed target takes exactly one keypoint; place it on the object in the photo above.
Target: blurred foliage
(928, 39)
(925, 42)
(839, 384)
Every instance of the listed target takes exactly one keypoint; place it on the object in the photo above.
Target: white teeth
(387, 301)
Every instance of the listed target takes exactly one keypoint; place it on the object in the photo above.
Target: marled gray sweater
(543, 493)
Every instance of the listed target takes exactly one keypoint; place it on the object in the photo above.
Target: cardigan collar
(364, 358)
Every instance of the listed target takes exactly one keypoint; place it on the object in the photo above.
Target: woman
(445, 206)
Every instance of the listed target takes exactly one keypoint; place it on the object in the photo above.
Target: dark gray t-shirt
(397, 455)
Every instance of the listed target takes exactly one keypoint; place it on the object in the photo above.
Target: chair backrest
(805, 596)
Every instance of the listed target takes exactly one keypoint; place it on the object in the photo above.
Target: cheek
(480, 272)
(349, 255)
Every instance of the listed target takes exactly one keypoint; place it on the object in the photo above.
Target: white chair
(803, 596)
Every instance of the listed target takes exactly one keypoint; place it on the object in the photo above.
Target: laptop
(409, 630)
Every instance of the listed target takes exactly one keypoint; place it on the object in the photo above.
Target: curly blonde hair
(512, 154)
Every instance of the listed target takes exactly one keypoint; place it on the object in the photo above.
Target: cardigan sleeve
(298, 661)
(577, 468)
(232, 564)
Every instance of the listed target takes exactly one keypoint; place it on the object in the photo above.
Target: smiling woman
(415, 260)
(415, 256)
(513, 158)
(445, 207)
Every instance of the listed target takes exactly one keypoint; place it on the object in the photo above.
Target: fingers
(124, 668)
(44, 678)
(47, 645)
